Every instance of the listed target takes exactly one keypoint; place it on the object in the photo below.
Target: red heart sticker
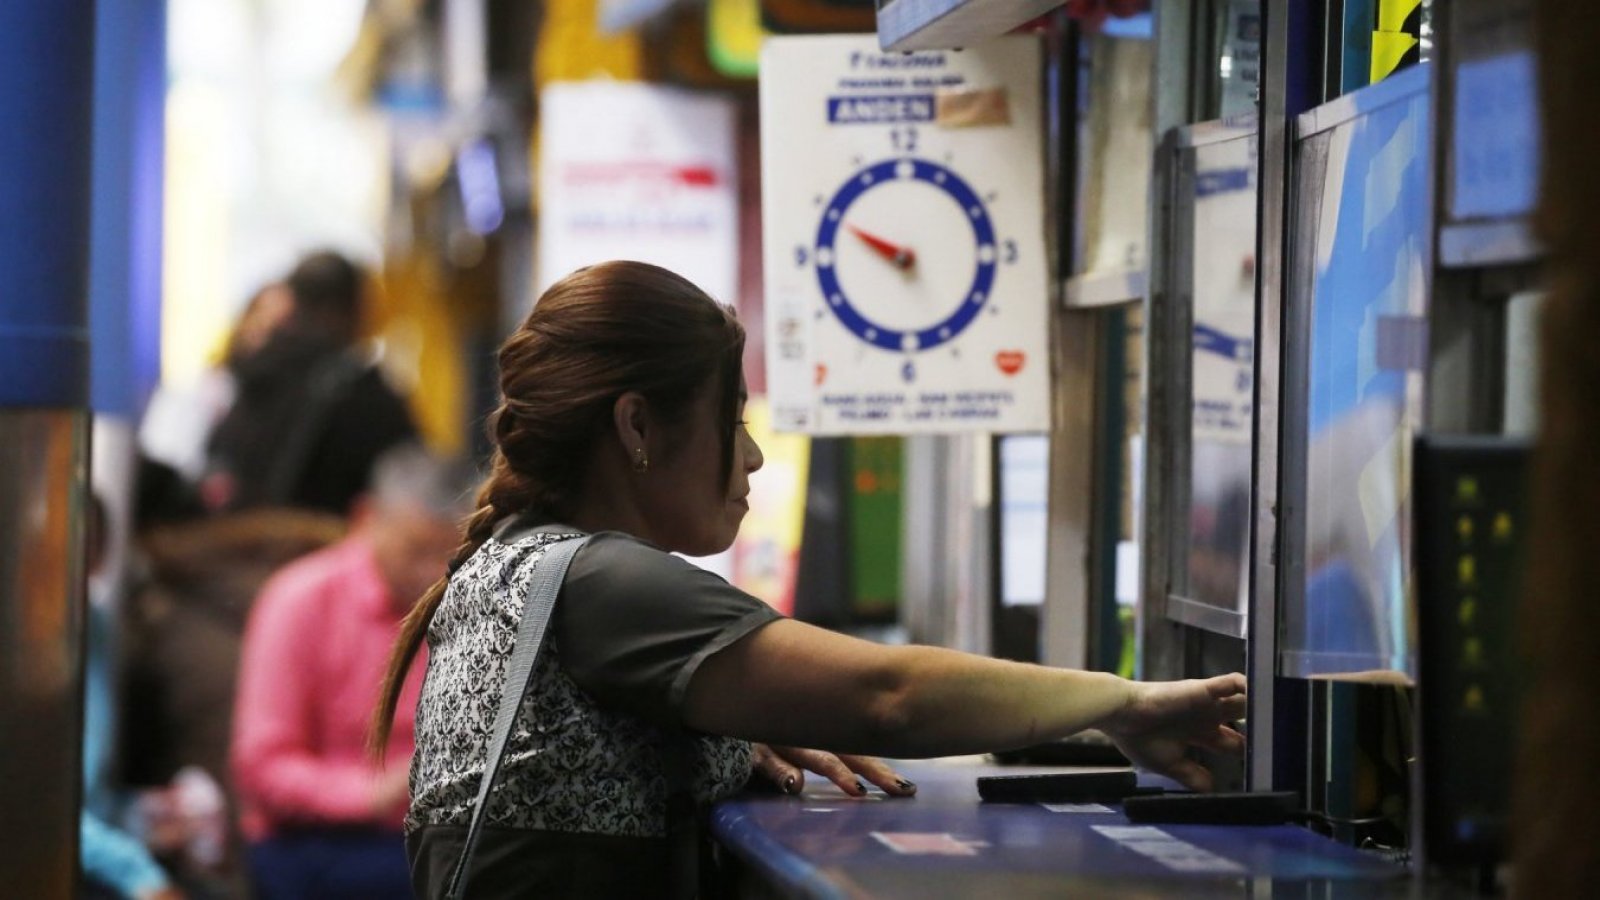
(1010, 361)
(822, 373)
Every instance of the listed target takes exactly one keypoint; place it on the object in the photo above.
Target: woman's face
(692, 508)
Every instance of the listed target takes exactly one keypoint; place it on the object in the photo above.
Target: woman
(620, 419)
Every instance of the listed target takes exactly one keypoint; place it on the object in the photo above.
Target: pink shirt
(312, 664)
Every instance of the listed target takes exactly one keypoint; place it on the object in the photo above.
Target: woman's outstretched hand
(786, 767)
(1163, 719)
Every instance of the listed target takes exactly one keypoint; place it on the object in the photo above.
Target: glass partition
(1353, 401)
(1214, 247)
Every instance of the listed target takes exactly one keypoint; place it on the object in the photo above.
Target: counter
(945, 843)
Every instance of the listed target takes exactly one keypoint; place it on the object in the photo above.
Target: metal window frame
(1180, 160)
(1272, 245)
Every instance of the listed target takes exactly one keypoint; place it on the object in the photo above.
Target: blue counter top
(946, 843)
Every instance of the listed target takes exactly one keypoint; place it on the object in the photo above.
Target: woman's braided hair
(600, 332)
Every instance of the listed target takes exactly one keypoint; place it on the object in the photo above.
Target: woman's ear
(630, 417)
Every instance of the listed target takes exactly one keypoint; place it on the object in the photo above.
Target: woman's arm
(791, 683)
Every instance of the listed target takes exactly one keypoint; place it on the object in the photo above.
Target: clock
(876, 284)
(903, 223)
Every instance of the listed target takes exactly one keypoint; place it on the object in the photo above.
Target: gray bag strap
(548, 574)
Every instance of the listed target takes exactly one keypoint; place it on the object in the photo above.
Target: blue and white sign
(905, 264)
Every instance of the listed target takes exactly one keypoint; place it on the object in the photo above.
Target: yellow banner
(572, 47)
(1392, 14)
(1388, 53)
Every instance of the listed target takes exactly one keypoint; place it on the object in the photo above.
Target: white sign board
(903, 230)
(634, 171)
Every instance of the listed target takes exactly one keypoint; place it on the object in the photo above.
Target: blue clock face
(872, 278)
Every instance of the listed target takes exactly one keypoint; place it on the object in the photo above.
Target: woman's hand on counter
(1163, 719)
(786, 767)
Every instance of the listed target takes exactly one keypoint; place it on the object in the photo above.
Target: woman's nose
(753, 459)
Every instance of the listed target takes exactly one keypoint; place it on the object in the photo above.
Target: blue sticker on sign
(1222, 181)
(880, 110)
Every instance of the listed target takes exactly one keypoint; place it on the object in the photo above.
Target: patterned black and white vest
(570, 765)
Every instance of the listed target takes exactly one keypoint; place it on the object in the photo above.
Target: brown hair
(600, 332)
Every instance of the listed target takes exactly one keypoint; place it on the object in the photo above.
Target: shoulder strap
(549, 572)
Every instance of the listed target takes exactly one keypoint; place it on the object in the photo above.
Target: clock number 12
(904, 140)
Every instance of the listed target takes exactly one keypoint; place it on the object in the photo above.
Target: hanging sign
(903, 230)
(634, 171)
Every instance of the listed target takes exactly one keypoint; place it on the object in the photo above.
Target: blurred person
(178, 423)
(322, 818)
(115, 863)
(663, 687)
(1555, 835)
(184, 622)
(312, 415)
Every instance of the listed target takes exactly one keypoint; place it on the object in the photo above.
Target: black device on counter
(1265, 808)
(1058, 787)
(1086, 748)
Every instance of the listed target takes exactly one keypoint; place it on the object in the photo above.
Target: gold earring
(640, 463)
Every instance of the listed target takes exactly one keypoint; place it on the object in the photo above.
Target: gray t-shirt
(635, 623)
(603, 718)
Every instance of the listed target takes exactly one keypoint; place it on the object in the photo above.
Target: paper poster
(635, 171)
(903, 231)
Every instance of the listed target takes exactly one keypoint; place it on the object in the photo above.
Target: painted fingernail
(905, 785)
(861, 788)
(789, 784)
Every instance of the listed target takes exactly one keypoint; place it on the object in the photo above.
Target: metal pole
(46, 81)
(1271, 272)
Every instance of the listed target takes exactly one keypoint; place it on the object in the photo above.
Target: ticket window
(1196, 512)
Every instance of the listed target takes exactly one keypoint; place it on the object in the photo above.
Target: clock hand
(902, 258)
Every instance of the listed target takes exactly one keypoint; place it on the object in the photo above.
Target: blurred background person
(178, 423)
(312, 414)
(1556, 847)
(183, 625)
(321, 817)
(115, 862)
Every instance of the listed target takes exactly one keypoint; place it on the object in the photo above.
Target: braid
(503, 493)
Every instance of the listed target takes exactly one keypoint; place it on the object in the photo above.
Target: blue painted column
(130, 92)
(46, 81)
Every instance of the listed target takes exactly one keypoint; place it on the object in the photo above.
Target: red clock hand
(900, 257)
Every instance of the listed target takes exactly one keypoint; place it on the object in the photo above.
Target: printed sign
(906, 279)
(634, 171)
